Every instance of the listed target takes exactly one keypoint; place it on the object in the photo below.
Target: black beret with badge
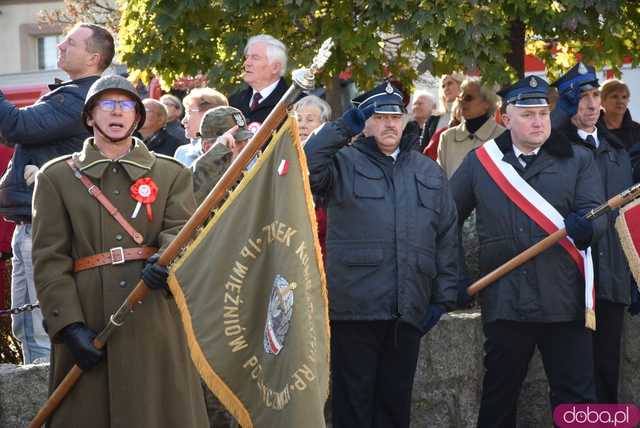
(387, 99)
(530, 91)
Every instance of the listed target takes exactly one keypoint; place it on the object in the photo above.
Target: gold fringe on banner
(227, 397)
(626, 241)
(590, 319)
(316, 242)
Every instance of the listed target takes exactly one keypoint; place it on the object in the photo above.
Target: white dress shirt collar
(265, 92)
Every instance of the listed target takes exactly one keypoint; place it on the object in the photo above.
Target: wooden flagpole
(617, 201)
(303, 79)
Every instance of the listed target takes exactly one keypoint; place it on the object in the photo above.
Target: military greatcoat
(147, 378)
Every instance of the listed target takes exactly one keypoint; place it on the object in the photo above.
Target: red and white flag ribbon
(542, 213)
(283, 168)
(628, 227)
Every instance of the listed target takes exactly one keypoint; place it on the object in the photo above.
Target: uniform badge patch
(238, 119)
(582, 69)
(388, 89)
(279, 315)
(533, 83)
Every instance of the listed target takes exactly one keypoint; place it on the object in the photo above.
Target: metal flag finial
(304, 77)
(322, 56)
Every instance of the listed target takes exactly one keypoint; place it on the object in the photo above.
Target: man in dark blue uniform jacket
(391, 256)
(580, 97)
(542, 303)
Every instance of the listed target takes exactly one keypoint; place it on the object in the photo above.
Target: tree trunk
(516, 57)
(334, 96)
(339, 94)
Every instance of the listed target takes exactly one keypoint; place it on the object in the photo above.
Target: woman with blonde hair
(615, 114)
(449, 91)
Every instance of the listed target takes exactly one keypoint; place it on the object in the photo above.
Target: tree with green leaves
(403, 38)
(102, 12)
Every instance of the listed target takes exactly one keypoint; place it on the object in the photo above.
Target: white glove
(30, 174)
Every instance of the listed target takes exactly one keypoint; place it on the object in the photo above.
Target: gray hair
(487, 92)
(276, 50)
(173, 100)
(158, 108)
(314, 101)
(427, 94)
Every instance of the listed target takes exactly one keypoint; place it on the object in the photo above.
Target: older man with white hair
(264, 65)
(422, 111)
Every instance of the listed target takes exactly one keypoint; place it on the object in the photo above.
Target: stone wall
(446, 391)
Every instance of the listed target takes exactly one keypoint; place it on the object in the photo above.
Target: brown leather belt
(114, 256)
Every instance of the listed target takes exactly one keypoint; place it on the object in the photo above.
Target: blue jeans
(27, 327)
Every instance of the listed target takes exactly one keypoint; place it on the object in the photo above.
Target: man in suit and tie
(264, 65)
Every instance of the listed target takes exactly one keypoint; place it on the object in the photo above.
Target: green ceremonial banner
(252, 295)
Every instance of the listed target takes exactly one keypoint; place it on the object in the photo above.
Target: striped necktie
(255, 101)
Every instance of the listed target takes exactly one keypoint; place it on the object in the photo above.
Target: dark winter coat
(629, 131)
(163, 142)
(548, 288)
(391, 235)
(51, 127)
(613, 278)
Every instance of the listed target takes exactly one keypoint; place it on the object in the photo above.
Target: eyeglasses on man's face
(110, 105)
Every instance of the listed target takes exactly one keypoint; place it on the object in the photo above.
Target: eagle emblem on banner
(279, 315)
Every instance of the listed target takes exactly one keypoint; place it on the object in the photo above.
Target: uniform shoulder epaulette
(54, 161)
(169, 158)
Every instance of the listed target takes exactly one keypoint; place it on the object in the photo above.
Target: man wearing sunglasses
(49, 128)
(87, 258)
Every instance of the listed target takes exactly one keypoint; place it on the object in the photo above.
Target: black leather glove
(433, 315)
(355, 118)
(154, 275)
(579, 229)
(464, 300)
(79, 339)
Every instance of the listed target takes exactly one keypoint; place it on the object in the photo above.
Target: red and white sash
(542, 213)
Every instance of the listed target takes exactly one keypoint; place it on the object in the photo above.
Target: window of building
(48, 52)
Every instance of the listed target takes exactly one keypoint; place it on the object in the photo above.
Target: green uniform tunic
(147, 378)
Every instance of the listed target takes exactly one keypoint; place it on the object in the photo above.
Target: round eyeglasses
(110, 105)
